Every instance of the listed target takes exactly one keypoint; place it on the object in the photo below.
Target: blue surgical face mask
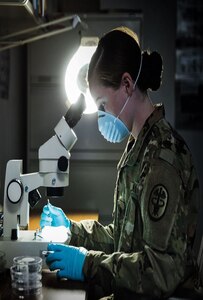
(111, 127)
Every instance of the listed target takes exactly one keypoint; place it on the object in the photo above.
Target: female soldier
(147, 249)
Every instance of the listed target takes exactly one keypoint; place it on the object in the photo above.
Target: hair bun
(151, 72)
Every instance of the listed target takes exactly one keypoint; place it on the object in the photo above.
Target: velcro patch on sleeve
(159, 202)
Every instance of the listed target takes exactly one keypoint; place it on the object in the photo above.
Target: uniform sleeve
(92, 235)
(161, 265)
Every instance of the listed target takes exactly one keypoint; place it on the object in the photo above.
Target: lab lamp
(76, 74)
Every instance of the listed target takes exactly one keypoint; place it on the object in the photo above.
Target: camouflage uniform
(147, 249)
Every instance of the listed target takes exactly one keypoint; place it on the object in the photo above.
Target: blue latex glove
(53, 216)
(68, 260)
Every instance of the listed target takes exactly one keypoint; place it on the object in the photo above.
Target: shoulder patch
(160, 198)
(157, 202)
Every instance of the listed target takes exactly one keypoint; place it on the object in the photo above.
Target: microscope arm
(21, 189)
(16, 197)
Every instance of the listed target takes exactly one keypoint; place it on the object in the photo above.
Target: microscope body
(20, 190)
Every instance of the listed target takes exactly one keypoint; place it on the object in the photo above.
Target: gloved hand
(68, 259)
(53, 216)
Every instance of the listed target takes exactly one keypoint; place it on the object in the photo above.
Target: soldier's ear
(127, 83)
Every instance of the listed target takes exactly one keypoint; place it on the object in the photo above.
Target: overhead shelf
(16, 15)
(19, 25)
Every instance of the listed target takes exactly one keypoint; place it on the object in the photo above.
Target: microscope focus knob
(63, 163)
(14, 190)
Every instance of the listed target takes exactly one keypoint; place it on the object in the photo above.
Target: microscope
(21, 190)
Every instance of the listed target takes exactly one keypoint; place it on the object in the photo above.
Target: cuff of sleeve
(92, 260)
(75, 233)
(96, 274)
(69, 236)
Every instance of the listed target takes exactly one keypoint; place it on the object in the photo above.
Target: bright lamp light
(76, 74)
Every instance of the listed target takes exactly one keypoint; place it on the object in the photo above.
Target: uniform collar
(133, 146)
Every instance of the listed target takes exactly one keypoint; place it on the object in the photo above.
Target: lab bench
(60, 289)
(52, 288)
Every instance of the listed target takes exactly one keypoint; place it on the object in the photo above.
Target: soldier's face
(109, 99)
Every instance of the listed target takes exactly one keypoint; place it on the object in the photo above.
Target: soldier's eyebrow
(101, 101)
(97, 99)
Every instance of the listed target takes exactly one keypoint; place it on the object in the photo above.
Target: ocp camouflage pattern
(147, 249)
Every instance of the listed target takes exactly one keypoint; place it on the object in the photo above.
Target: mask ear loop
(138, 74)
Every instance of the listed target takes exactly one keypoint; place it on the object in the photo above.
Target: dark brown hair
(118, 51)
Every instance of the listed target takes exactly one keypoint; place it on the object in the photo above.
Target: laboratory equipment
(21, 190)
(76, 73)
(26, 275)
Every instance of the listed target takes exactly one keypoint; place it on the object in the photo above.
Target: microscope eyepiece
(75, 111)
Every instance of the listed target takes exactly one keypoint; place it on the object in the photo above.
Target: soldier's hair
(118, 51)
